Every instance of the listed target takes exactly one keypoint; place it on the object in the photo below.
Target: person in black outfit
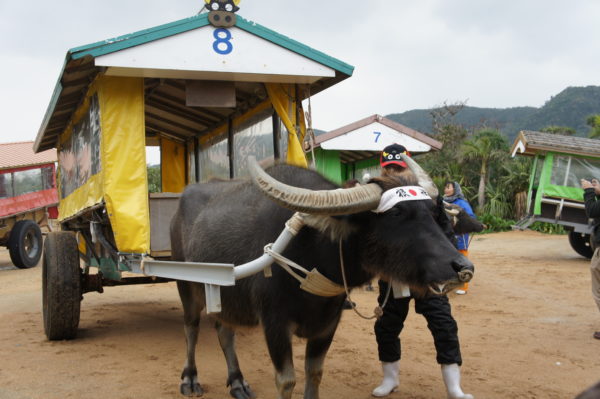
(435, 309)
(591, 197)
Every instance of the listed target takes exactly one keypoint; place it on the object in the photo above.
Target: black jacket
(592, 210)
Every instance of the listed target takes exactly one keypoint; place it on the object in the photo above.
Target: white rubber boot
(390, 379)
(451, 375)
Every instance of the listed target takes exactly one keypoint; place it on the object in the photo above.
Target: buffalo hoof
(241, 391)
(190, 388)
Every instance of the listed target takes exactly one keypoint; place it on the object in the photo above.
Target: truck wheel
(61, 286)
(25, 244)
(581, 244)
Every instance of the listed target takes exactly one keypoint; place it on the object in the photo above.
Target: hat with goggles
(391, 155)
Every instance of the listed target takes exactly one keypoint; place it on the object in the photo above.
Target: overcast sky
(406, 54)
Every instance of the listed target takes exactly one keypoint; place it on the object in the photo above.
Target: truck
(28, 199)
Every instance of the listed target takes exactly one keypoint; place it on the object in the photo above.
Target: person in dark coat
(435, 309)
(591, 196)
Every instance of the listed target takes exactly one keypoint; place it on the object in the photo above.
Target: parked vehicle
(28, 198)
(555, 194)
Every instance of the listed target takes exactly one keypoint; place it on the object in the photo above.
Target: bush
(495, 224)
(548, 228)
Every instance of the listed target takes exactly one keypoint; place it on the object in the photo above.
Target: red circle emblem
(412, 192)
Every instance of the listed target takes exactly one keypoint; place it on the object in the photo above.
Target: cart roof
(168, 54)
(532, 143)
(20, 154)
(367, 137)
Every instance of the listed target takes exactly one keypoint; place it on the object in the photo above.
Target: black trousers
(435, 309)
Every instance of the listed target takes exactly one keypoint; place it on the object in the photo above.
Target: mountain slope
(570, 108)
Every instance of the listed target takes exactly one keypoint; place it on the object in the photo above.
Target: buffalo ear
(335, 227)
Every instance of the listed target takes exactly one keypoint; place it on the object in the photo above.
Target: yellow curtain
(284, 102)
(172, 165)
(124, 161)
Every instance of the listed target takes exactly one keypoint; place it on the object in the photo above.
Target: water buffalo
(592, 392)
(230, 222)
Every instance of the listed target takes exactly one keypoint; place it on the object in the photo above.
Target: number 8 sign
(222, 38)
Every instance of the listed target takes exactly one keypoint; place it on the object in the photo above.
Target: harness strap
(314, 282)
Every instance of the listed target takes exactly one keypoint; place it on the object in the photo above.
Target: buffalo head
(400, 241)
(462, 222)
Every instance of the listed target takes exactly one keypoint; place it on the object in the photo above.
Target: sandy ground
(525, 327)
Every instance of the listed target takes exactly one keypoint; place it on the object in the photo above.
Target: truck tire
(61, 286)
(581, 244)
(25, 244)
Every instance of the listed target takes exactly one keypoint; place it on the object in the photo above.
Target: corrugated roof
(531, 142)
(17, 155)
(79, 71)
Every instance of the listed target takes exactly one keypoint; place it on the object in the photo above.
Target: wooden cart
(208, 97)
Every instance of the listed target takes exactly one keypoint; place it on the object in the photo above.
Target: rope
(295, 223)
(143, 265)
(314, 282)
(378, 311)
(311, 132)
(285, 262)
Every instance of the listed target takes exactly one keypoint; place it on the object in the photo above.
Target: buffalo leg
(192, 306)
(316, 350)
(279, 343)
(239, 387)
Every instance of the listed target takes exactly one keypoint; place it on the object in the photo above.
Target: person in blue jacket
(453, 195)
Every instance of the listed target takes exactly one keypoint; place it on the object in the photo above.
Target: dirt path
(525, 327)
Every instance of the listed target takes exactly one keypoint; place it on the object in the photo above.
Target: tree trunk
(481, 190)
(520, 205)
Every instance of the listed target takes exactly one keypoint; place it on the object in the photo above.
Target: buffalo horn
(451, 210)
(422, 176)
(317, 202)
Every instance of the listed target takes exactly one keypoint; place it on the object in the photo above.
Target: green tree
(154, 178)
(445, 164)
(593, 121)
(564, 130)
(498, 203)
(484, 148)
(515, 182)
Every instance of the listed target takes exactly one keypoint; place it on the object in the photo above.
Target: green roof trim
(140, 37)
(50, 110)
(197, 21)
(293, 45)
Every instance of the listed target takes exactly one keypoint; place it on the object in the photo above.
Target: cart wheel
(25, 244)
(61, 286)
(581, 244)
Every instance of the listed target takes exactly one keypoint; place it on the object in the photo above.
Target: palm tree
(515, 182)
(485, 147)
(594, 122)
